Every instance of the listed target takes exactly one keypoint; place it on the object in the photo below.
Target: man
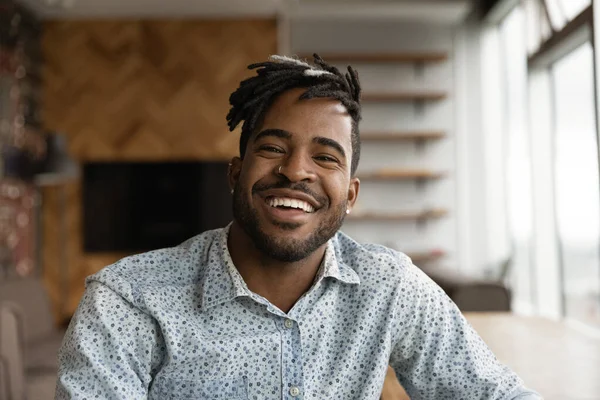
(279, 304)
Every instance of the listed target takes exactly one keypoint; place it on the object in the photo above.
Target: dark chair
(482, 297)
(476, 294)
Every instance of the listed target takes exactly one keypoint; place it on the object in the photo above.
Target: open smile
(287, 203)
(288, 210)
(289, 206)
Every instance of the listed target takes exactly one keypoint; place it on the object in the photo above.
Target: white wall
(493, 141)
(471, 168)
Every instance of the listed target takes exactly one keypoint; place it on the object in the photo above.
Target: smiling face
(294, 185)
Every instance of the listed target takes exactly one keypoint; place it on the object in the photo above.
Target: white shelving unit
(408, 188)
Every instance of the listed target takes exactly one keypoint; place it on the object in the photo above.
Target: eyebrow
(283, 134)
(280, 133)
(323, 141)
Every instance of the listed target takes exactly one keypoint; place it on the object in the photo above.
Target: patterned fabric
(180, 323)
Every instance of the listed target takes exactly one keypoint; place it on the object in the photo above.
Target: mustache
(299, 187)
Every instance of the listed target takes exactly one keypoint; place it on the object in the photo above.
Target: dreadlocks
(255, 95)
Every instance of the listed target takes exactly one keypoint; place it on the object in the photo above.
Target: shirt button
(289, 324)
(294, 391)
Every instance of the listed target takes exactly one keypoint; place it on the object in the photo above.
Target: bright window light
(557, 16)
(572, 8)
(577, 184)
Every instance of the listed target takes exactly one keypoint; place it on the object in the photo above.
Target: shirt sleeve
(110, 348)
(436, 354)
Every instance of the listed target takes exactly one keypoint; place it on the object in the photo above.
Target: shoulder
(371, 261)
(180, 265)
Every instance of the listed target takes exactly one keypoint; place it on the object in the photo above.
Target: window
(537, 25)
(544, 76)
(577, 191)
(566, 10)
(557, 16)
(544, 17)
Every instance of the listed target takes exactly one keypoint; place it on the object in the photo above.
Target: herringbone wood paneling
(139, 90)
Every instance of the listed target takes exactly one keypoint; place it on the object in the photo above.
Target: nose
(297, 167)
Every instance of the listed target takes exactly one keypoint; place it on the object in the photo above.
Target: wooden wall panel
(138, 90)
(151, 90)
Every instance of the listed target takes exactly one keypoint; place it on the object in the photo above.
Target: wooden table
(554, 359)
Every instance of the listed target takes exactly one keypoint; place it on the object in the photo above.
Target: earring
(231, 191)
(347, 211)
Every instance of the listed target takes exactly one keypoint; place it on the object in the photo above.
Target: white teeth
(287, 202)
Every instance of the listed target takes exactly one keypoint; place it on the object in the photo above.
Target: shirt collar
(222, 281)
(331, 267)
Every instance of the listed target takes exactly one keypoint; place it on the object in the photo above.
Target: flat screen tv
(138, 206)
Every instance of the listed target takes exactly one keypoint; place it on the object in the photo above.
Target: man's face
(293, 187)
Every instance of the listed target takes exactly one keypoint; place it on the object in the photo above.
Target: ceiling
(152, 8)
(240, 8)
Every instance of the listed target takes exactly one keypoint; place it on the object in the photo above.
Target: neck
(282, 283)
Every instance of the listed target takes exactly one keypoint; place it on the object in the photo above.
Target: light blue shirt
(180, 323)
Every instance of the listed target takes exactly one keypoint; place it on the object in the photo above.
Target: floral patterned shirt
(180, 323)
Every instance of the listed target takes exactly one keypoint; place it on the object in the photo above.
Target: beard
(283, 248)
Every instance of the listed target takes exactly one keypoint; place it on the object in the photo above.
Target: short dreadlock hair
(255, 95)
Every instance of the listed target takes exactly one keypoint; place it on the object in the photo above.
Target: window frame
(562, 42)
(580, 38)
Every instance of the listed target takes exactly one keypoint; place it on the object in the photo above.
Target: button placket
(292, 379)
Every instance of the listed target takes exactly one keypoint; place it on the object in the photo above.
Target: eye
(271, 149)
(326, 158)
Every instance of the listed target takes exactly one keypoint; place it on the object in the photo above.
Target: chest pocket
(166, 388)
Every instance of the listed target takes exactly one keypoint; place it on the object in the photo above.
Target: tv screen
(134, 207)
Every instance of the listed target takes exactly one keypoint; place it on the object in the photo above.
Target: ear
(233, 173)
(353, 192)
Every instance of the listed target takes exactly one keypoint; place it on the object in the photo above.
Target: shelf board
(398, 216)
(400, 174)
(425, 256)
(401, 136)
(405, 57)
(413, 95)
